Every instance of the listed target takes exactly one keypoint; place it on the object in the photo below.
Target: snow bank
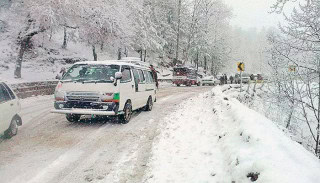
(186, 150)
(252, 143)
(215, 138)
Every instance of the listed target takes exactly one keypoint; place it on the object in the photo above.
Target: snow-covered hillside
(215, 138)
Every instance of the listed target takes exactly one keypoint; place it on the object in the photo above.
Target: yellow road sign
(240, 66)
(292, 68)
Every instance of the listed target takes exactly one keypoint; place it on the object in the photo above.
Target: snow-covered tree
(37, 16)
(297, 49)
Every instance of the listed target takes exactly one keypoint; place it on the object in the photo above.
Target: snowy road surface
(50, 149)
(193, 135)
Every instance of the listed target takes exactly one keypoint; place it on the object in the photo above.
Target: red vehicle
(185, 76)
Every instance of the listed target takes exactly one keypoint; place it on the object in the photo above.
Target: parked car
(237, 79)
(209, 80)
(216, 81)
(9, 111)
(106, 88)
(245, 78)
(185, 76)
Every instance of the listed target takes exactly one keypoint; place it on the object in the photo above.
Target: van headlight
(109, 97)
(106, 97)
(59, 95)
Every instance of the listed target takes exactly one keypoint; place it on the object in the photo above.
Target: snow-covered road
(50, 149)
(192, 135)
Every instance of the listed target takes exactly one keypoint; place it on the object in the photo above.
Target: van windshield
(91, 73)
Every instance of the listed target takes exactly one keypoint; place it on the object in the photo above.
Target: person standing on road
(231, 79)
(222, 80)
(155, 75)
(237, 79)
(62, 72)
(225, 79)
(251, 77)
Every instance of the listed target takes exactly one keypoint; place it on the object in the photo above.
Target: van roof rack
(131, 58)
(135, 61)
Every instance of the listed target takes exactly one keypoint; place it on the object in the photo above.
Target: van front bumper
(84, 112)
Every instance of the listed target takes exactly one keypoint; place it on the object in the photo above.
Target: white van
(106, 88)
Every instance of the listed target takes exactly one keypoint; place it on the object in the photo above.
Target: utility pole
(318, 126)
(178, 30)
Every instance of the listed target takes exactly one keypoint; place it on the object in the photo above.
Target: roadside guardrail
(30, 89)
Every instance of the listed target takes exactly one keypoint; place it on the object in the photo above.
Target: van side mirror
(118, 75)
(58, 77)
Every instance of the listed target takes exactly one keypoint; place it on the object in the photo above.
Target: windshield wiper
(66, 81)
(105, 81)
(98, 81)
(79, 80)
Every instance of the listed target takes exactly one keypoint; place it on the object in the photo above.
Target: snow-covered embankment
(215, 138)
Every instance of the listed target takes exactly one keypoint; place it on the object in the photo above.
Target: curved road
(50, 149)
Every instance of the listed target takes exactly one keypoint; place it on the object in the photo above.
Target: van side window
(147, 76)
(136, 75)
(136, 79)
(9, 90)
(141, 75)
(126, 75)
(4, 95)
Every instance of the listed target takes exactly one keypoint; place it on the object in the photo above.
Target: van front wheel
(149, 105)
(73, 117)
(125, 118)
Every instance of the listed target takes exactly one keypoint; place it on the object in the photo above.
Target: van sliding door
(142, 88)
(127, 88)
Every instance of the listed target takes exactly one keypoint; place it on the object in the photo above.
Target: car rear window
(9, 90)
(4, 95)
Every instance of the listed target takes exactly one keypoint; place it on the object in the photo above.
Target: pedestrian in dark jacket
(231, 79)
(251, 77)
(226, 79)
(155, 75)
(221, 80)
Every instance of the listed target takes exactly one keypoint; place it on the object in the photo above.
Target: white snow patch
(215, 138)
(187, 150)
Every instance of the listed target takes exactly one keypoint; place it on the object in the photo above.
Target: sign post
(292, 70)
(241, 69)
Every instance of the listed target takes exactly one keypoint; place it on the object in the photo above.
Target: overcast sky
(253, 13)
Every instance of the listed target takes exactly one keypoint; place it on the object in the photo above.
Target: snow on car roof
(114, 62)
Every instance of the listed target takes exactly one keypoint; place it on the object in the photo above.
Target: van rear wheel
(149, 104)
(73, 117)
(125, 118)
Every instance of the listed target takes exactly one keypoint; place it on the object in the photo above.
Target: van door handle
(132, 86)
(11, 104)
